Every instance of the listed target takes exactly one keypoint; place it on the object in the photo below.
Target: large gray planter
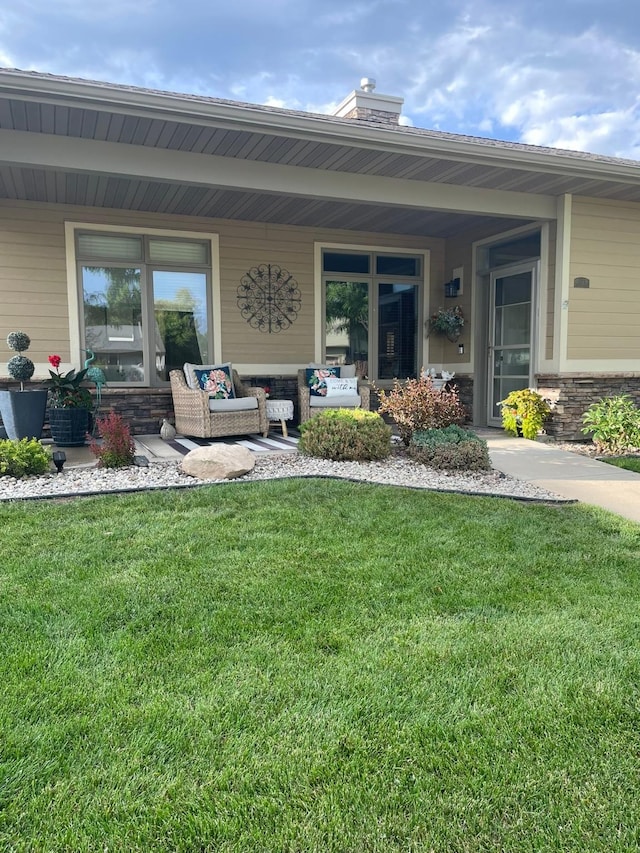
(23, 413)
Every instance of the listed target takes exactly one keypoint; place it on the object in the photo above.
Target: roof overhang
(60, 133)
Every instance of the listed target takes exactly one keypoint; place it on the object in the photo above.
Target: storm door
(512, 302)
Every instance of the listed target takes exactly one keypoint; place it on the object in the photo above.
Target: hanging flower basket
(447, 322)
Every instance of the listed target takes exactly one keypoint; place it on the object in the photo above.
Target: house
(154, 226)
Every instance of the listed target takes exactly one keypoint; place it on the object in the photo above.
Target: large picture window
(372, 305)
(145, 304)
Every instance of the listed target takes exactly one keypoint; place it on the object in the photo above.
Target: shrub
(451, 448)
(26, 456)
(345, 435)
(20, 367)
(416, 405)
(614, 422)
(524, 412)
(117, 449)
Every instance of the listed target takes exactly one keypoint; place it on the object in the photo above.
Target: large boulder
(218, 462)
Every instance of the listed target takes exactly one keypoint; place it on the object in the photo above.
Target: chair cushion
(340, 401)
(235, 404)
(337, 386)
(217, 379)
(316, 376)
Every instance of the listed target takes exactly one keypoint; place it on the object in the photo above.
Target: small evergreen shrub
(416, 405)
(353, 435)
(451, 449)
(117, 449)
(18, 458)
(615, 424)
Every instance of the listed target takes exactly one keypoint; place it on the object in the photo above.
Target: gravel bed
(398, 470)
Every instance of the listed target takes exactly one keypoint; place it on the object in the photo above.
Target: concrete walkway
(570, 475)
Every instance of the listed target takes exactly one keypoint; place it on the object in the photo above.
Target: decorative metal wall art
(269, 298)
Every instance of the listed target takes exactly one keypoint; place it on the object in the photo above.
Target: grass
(318, 666)
(630, 463)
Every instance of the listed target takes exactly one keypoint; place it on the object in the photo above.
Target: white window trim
(318, 248)
(73, 295)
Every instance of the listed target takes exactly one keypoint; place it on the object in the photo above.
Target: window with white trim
(372, 308)
(145, 303)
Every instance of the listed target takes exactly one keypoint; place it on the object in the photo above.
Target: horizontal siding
(605, 248)
(33, 279)
(551, 292)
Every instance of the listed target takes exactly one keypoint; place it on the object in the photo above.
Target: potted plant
(524, 413)
(22, 411)
(448, 322)
(70, 405)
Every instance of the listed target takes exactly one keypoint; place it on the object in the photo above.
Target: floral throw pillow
(216, 380)
(317, 379)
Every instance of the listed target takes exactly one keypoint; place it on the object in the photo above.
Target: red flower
(54, 361)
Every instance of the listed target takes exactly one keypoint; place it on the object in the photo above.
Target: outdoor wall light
(460, 349)
(59, 458)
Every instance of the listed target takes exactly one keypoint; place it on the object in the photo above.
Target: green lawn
(318, 666)
(630, 463)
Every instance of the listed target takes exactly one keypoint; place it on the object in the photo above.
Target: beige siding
(33, 278)
(551, 290)
(605, 248)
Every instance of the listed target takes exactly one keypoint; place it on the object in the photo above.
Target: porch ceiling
(58, 187)
(332, 157)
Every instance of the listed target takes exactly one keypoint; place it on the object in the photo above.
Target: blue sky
(564, 73)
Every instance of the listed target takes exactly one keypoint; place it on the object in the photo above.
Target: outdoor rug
(275, 443)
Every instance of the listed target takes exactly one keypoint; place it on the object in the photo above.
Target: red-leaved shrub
(117, 448)
(415, 404)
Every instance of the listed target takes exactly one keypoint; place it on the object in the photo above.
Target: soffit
(473, 169)
(57, 187)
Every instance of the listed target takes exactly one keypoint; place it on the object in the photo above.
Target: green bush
(345, 435)
(614, 423)
(524, 412)
(451, 448)
(18, 458)
(416, 405)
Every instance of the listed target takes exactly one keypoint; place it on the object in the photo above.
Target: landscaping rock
(218, 462)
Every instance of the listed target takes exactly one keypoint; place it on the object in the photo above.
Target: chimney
(367, 105)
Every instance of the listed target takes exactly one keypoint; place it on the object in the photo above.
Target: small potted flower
(447, 322)
(23, 410)
(69, 406)
(524, 413)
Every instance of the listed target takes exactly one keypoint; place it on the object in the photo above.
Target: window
(371, 312)
(145, 304)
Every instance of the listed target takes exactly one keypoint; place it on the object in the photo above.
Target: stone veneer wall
(572, 395)
(144, 408)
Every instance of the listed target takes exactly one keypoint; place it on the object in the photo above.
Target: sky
(562, 73)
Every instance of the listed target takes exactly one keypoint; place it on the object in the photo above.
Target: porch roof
(64, 140)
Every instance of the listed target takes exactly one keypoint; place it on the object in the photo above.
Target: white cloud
(539, 72)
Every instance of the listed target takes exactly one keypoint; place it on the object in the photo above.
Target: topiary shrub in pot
(450, 449)
(22, 411)
(353, 435)
(524, 412)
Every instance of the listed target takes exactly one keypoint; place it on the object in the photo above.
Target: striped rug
(275, 443)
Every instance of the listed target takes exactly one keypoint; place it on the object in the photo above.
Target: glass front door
(511, 340)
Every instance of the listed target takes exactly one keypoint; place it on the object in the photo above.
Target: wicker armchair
(307, 409)
(193, 417)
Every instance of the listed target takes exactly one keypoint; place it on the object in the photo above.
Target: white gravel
(398, 470)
